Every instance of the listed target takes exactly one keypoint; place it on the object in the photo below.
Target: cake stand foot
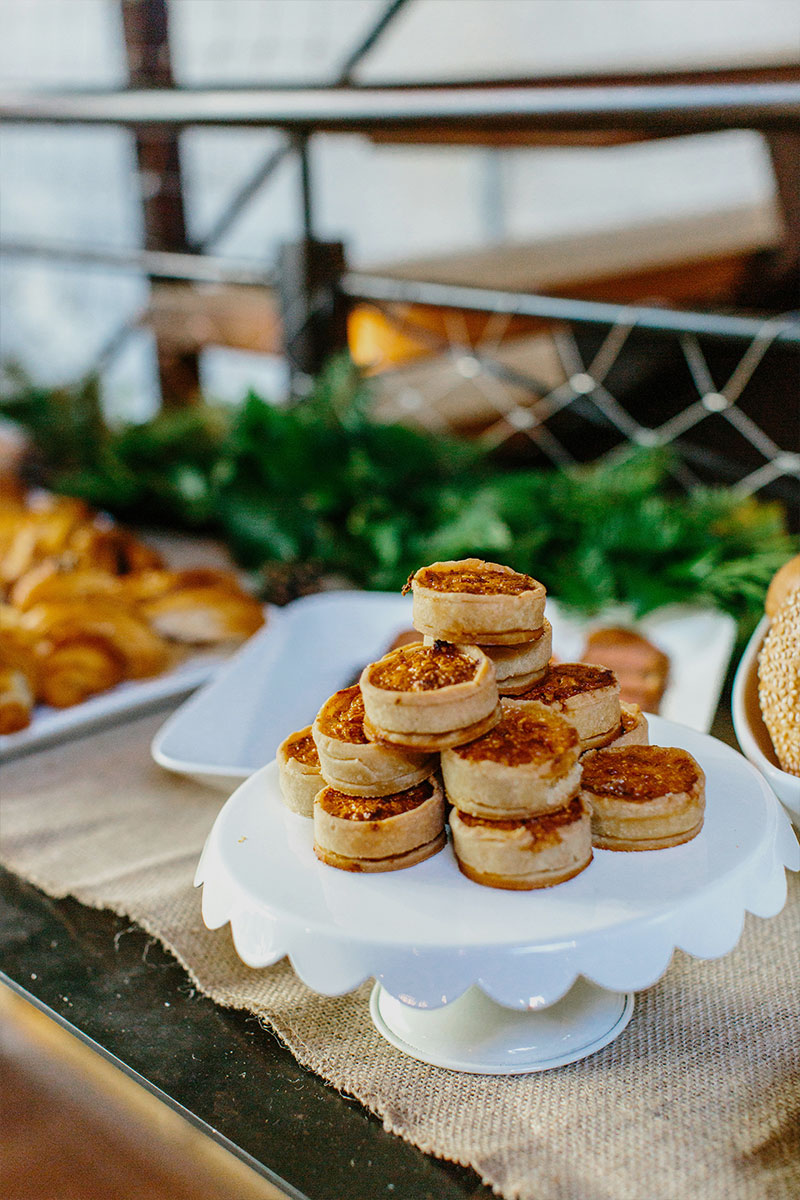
(478, 1035)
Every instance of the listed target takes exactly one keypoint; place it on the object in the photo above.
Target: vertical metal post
(146, 29)
(312, 306)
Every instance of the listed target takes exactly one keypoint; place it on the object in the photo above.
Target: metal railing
(497, 115)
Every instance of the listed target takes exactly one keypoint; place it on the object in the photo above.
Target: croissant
(202, 615)
(148, 585)
(58, 579)
(105, 546)
(18, 673)
(16, 700)
(41, 532)
(77, 668)
(142, 651)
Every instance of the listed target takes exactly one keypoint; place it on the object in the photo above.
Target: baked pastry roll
(384, 833)
(42, 531)
(16, 700)
(350, 762)
(105, 546)
(203, 615)
(587, 696)
(298, 772)
(143, 652)
(150, 584)
(535, 852)
(77, 667)
(472, 601)
(643, 797)
(429, 697)
(58, 579)
(528, 764)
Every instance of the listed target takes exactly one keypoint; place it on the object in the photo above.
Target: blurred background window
(388, 204)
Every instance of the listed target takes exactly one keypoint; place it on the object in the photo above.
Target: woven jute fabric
(699, 1097)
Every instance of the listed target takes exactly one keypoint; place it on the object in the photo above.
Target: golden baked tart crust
(433, 742)
(643, 797)
(523, 854)
(376, 832)
(299, 771)
(418, 694)
(633, 728)
(354, 764)
(476, 602)
(519, 666)
(392, 862)
(587, 696)
(526, 765)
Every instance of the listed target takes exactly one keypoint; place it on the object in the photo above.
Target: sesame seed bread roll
(475, 602)
(586, 695)
(521, 855)
(385, 833)
(527, 765)
(785, 580)
(643, 797)
(350, 762)
(298, 772)
(429, 697)
(779, 683)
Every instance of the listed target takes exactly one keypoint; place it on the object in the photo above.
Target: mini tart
(298, 772)
(586, 695)
(429, 697)
(633, 728)
(527, 765)
(350, 762)
(643, 797)
(384, 833)
(518, 667)
(472, 601)
(520, 855)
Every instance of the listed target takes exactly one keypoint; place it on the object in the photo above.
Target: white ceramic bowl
(751, 731)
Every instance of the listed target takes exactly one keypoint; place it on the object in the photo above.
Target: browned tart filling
(542, 828)
(301, 747)
(566, 680)
(342, 717)
(373, 808)
(628, 721)
(478, 581)
(522, 737)
(423, 668)
(639, 772)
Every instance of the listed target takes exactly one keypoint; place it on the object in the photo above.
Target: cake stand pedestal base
(478, 1035)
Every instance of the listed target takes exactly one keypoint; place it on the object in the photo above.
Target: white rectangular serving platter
(50, 725)
(280, 678)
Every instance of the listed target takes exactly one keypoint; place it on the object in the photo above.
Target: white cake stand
(488, 981)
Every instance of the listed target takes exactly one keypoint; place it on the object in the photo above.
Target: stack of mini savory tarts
(518, 821)
(524, 815)
(488, 605)
(375, 807)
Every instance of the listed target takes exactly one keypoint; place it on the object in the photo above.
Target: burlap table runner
(699, 1097)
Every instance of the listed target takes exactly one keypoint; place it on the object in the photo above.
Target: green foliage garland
(319, 482)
